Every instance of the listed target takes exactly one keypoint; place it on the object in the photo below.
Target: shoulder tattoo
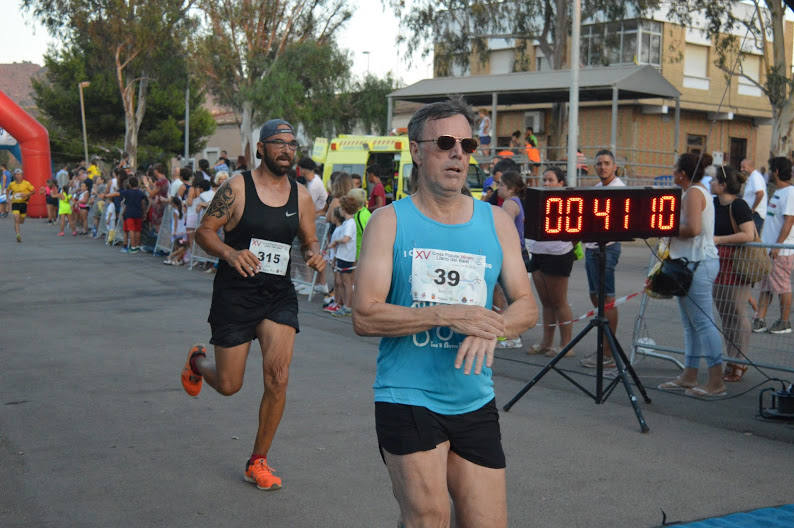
(222, 202)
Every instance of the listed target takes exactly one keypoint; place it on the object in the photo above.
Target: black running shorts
(474, 436)
(557, 265)
(238, 308)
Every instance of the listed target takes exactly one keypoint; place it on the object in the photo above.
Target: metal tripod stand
(624, 368)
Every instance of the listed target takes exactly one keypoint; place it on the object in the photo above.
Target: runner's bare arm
(373, 316)
(225, 211)
(307, 231)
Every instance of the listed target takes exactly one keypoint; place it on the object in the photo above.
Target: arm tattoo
(222, 202)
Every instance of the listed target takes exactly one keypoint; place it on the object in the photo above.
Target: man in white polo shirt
(755, 193)
(314, 183)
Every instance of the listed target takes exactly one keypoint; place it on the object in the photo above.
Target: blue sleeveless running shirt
(420, 369)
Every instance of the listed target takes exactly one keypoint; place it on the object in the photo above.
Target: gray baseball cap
(17, 171)
(271, 128)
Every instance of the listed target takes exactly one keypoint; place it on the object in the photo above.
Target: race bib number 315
(448, 277)
(273, 256)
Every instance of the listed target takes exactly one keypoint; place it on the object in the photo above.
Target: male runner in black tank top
(261, 212)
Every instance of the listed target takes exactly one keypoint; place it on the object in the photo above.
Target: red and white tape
(591, 313)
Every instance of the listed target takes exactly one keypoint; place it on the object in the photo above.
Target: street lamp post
(80, 86)
(367, 54)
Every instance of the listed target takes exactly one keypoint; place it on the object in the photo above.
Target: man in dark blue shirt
(134, 200)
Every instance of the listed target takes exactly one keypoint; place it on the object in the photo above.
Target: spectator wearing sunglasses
(429, 264)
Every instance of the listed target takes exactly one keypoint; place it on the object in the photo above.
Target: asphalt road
(96, 431)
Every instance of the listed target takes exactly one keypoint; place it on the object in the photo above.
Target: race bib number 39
(448, 277)
(273, 256)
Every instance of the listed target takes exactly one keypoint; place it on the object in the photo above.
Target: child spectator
(98, 203)
(331, 303)
(191, 201)
(178, 234)
(134, 203)
(65, 209)
(49, 191)
(361, 217)
(82, 208)
(345, 247)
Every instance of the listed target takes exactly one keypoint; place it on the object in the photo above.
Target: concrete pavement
(96, 431)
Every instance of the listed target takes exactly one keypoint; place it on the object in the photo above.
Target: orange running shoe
(191, 381)
(261, 474)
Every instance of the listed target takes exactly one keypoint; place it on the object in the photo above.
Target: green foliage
(161, 134)
(306, 86)
(310, 85)
(370, 104)
(241, 57)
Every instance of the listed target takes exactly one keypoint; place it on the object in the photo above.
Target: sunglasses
(446, 142)
(292, 145)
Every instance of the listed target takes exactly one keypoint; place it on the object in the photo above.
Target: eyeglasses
(446, 142)
(280, 143)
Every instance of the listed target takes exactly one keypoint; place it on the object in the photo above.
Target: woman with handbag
(733, 224)
(695, 243)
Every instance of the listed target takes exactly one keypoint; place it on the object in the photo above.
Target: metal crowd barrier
(102, 228)
(732, 314)
(91, 212)
(117, 236)
(303, 277)
(165, 239)
(197, 253)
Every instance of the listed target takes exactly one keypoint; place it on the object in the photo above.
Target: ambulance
(353, 154)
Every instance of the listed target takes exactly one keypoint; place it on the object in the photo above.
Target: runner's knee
(229, 386)
(276, 378)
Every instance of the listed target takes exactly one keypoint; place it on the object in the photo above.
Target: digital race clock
(601, 214)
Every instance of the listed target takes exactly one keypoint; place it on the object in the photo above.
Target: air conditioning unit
(534, 119)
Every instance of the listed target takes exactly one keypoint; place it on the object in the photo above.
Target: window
(502, 61)
(696, 62)
(695, 144)
(456, 70)
(541, 62)
(627, 42)
(751, 67)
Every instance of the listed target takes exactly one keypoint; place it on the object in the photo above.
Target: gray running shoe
(780, 327)
(759, 326)
(509, 343)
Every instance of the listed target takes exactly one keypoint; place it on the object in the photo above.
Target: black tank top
(276, 224)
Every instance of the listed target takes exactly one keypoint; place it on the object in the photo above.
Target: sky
(373, 28)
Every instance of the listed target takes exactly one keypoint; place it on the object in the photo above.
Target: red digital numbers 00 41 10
(570, 215)
(601, 214)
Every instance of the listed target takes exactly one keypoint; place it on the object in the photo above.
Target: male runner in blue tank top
(260, 212)
(428, 267)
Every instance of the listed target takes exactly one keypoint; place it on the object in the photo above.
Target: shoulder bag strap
(730, 215)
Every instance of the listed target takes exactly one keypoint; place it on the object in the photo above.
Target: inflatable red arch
(35, 145)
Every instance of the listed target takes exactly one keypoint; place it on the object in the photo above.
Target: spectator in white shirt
(755, 193)
(179, 181)
(314, 183)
